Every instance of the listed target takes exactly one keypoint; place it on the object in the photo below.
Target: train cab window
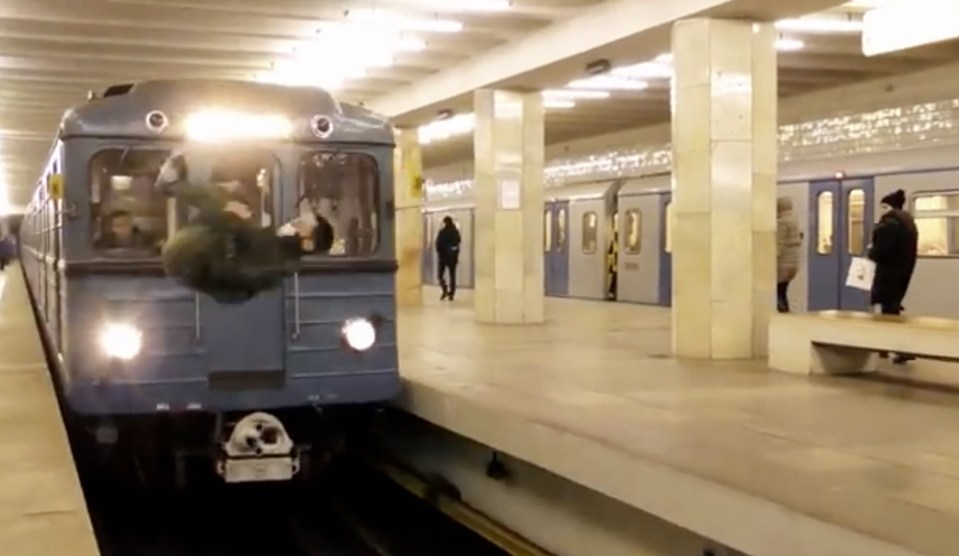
(824, 210)
(634, 231)
(342, 188)
(937, 219)
(547, 231)
(127, 214)
(855, 222)
(561, 230)
(668, 241)
(590, 235)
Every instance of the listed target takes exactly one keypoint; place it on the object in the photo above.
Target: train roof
(123, 110)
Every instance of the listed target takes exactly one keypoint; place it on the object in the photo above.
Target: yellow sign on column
(55, 186)
(416, 185)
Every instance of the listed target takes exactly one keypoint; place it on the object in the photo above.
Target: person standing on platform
(788, 241)
(448, 256)
(894, 248)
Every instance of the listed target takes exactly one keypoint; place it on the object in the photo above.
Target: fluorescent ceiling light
(645, 70)
(665, 58)
(389, 19)
(820, 25)
(789, 45)
(464, 5)
(609, 82)
(574, 94)
(864, 4)
(557, 103)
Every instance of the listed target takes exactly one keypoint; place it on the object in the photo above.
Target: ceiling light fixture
(392, 20)
(821, 25)
(609, 82)
(574, 94)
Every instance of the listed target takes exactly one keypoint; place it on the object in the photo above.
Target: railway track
(359, 512)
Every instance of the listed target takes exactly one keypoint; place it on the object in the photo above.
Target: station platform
(42, 508)
(764, 462)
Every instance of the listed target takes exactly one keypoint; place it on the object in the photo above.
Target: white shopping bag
(862, 272)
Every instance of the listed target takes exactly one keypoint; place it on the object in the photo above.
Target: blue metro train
(146, 364)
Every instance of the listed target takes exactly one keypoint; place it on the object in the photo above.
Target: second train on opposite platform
(835, 202)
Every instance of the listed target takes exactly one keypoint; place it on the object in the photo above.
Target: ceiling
(827, 59)
(52, 52)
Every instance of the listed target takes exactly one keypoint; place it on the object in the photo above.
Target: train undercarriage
(175, 450)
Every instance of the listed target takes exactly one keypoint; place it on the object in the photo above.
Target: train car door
(428, 266)
(666, 249)
(557, 263)
(249, 337)
(840, 228)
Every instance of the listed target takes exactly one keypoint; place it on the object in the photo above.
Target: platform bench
(844, 342)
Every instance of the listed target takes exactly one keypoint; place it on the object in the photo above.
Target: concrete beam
(624, 29)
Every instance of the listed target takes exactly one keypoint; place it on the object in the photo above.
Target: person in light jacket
(788, 242)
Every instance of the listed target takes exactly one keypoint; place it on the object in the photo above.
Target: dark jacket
(448, 244)
(895, 244)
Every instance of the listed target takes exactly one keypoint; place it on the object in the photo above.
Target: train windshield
(128, 215)
(342, 188)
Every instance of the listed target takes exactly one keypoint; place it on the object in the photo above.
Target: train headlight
(122, 341)
(360, 334)
(224, 125)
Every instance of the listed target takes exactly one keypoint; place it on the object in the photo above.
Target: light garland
(883, 129)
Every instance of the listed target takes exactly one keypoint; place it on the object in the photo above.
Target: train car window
(590, 229)
(668, 243)
(824, 208)
(428, 233)
(547, 231)
(561, 230)
(634, 231)
(855, 222)
(937, 219)
(342, 187)
(128, 215)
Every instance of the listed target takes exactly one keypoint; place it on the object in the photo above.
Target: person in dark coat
(447, 256)
(223, 252)
(894, 248)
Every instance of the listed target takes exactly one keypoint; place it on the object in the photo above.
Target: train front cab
(285, 352)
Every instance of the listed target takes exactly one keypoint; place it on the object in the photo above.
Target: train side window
(824, 209)
(561, 230)
(855, 222)
(428, 233)
(127, 213)
(937, 219)
(668, 225)
(590, 236)
(343, 188)
(547, 230)
(634, 231)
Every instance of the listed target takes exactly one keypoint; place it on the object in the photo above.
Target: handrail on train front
(296, 305)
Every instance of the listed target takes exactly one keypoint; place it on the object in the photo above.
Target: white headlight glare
(360, 334)
(122, 341)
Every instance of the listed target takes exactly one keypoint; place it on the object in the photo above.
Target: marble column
(724, 140)
(408, 199)
(509, 151)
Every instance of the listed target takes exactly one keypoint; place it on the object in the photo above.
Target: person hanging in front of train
(788, 242)
(222, 251)
(447, 256)
(894, 249)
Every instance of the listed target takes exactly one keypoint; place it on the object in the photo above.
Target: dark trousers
(448, 290)
(782, 297)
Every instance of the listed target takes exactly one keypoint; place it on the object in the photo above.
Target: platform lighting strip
(887, 128)
(634, 77)
(366, 39)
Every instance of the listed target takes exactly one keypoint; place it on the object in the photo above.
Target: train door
(556, 265)
(428, 266)
(666, 249)
(249, 337)
(840, 228)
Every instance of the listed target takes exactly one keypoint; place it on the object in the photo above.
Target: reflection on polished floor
(876, 459)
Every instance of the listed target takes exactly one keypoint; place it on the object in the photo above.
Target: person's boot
(902, 359)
